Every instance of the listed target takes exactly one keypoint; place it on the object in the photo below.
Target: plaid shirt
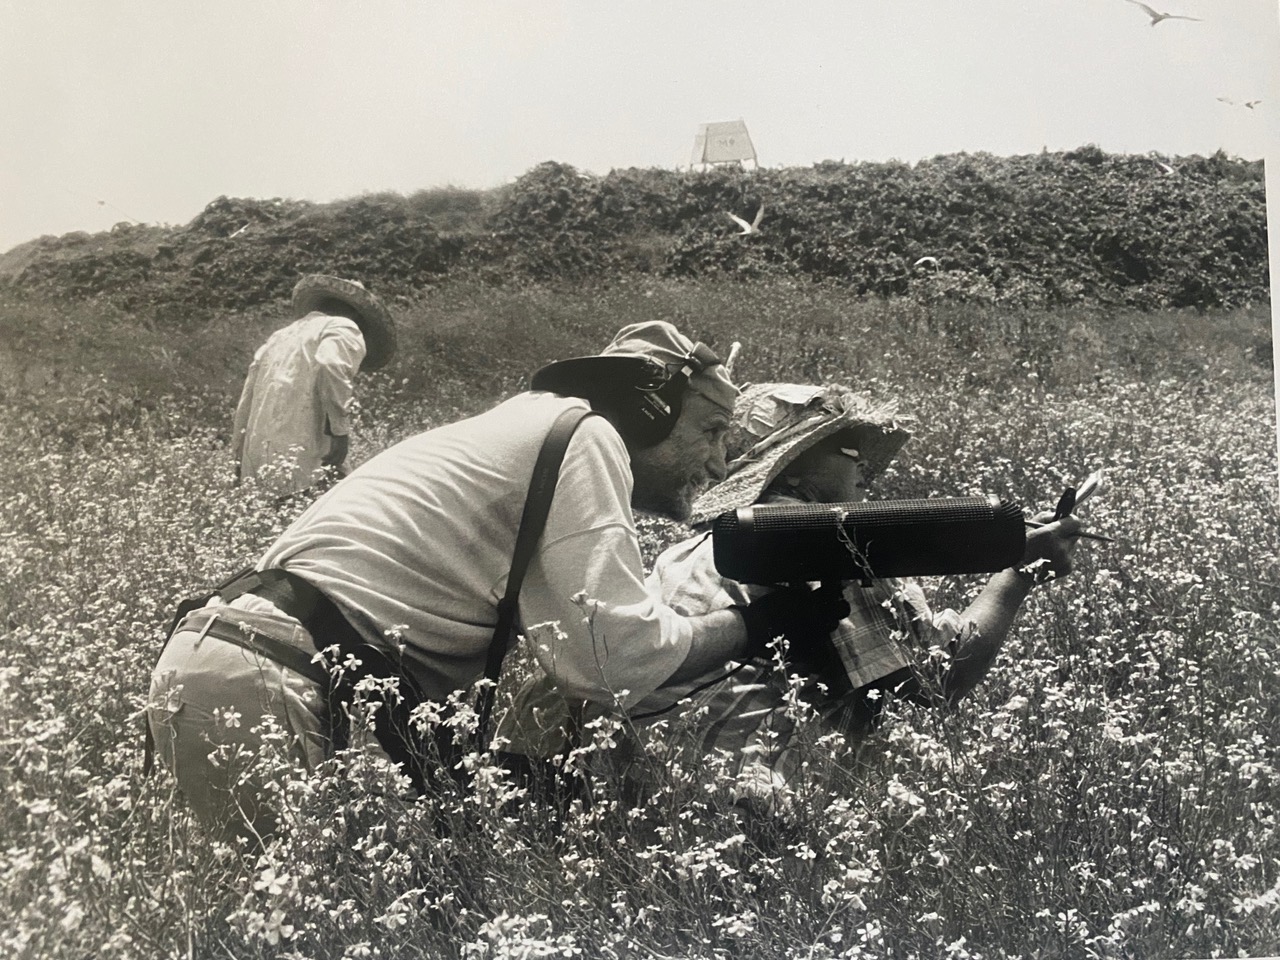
(743, 714)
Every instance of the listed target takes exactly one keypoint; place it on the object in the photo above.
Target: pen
(1066, 504)
(1087, 536)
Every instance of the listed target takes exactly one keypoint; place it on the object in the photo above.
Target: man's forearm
(717, 638)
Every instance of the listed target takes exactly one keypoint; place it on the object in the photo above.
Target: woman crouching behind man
(808, 444)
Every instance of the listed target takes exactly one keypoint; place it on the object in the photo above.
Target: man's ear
(612, 417)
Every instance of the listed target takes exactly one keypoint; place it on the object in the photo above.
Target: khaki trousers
(224, 713)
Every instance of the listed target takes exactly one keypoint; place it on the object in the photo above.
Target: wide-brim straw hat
(372, 316)
(774, 423)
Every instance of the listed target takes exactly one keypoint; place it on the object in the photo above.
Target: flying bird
(746, 228)
(930, 260)
(1252, 103)
(1156, 16)
(1169, 171)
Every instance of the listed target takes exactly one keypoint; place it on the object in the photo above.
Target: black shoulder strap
(546, 471)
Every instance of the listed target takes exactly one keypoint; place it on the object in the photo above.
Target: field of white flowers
(1110, 791)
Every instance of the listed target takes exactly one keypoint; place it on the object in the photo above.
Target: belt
(289, 594)
(276, 645)
(323, 624)
(329, 627)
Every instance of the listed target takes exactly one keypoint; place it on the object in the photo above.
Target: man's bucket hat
(776, 422)
(654, 340)
(372, 317)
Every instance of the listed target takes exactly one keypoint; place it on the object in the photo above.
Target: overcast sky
(149, 109)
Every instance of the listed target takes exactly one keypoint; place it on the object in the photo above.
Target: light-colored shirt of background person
(294, 409)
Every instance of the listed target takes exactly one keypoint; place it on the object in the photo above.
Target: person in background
(807, 444)
(293, 414)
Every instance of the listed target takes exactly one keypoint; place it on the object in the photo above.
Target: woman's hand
(1051, 548)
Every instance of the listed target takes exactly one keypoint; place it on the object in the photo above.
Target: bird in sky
(746, 228)
(1156, 16)
(1169, 171)
(929, 260)
(1251, 104)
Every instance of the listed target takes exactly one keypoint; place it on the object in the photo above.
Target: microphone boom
(802, 542)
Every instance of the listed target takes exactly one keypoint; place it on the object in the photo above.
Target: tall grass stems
(1110, 791)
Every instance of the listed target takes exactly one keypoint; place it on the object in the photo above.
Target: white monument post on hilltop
(726, 142)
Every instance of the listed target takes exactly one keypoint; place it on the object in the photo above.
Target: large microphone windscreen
(801, 542)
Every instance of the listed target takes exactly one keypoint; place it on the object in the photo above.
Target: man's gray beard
(670, 506)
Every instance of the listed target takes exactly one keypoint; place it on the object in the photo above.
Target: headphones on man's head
(641, 396)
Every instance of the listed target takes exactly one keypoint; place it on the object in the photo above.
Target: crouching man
(405, 564)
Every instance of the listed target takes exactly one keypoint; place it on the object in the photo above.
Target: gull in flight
(1156, 16)
(1252, 103)
(1169, 171)
(753, 226)
(930, 260)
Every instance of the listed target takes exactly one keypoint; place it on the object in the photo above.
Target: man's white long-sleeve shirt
(418, 542)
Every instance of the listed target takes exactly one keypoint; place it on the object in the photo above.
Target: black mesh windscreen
(782, 543)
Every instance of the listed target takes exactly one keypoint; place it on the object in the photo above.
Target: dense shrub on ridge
(239, 253)
(1041, 229)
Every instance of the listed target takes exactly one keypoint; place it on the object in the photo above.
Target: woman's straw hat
(776, 422)
(372, 317)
